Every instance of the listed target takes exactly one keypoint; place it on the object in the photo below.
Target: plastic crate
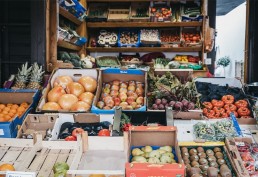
(130, 33)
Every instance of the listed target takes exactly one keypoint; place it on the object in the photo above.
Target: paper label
(240, 143)
(2, 132)
(20, 174)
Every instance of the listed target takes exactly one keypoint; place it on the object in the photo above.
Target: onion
(172, 103)
(66, 101)
(51, 106)
(190, 106)
(54, 94)
(158, 101)
(74, 88)
(178, 106)
(87, 97)
(185, 103)
(88, 83)
(62, 81)
(164, 101)
(80, 106)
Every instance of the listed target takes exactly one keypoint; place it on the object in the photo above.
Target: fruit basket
(140, 12)
(97, 12)
(161, 11)
(128, 38)
(170, 37)
(191, 37)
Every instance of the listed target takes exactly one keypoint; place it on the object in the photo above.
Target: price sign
(20, 174)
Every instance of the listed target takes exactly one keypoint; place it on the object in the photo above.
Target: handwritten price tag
(20, 174)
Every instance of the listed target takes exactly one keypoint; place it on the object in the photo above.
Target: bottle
(80, 41)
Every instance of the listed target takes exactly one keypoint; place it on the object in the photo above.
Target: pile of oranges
(9, 111)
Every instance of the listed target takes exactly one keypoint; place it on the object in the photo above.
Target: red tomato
(104, 132)
(70, 138)
(77, 131)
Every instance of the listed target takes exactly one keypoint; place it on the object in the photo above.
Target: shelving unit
(53, 11)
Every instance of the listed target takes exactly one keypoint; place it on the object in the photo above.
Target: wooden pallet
(41, 156)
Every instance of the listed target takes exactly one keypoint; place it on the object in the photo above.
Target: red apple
(133, 94)
(140, 100)
(123, 85)
(116, 82)
(139, 85)
(138, 106)
(123, 90)
(123, 96)
(130, 99)
(103, 95)
(114, 93)
(131, 88)
(139, 91)
(134, 104)
(100, 104)
(115, 87)
(132, 83)
(107, 99)
(117, 101)
(123, 105)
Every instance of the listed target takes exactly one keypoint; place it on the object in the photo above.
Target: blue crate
(137, 44)
(9, 129)
(95, 109)
(74, 7)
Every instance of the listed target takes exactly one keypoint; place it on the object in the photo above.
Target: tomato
(207, 105)
(241, 103)
(104, 132)
(243, 111)
(126, 127)
(230, 107)
(246, 117)
(221, 115)
(219, 110)
(209, 112)
(235, 113)
(70, 138)
(228, 99)
(217, 103)
(77, 131)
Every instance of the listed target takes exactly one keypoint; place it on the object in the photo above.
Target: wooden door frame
(246, 51)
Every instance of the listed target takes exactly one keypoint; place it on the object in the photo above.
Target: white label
(240, 143)
(207, 61)
(20, 174)
(2, 132)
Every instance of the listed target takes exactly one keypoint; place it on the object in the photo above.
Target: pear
(169, 154)
(147, 149)
(139, 159)
(161, 151)
(165, 159)
(154, 160)
(155, 153)
(166, 148)
(137, 152)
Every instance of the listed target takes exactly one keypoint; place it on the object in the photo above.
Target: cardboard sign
(20, 174)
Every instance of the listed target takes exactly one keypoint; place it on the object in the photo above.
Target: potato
(194, 157)
(200, 149)
(219, 155)
(212, 172)
(225, 171)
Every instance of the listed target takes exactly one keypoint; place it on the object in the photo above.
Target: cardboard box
(41, 122)
(111, 74)
(9, 129)
(183, 75)
(102, 155)
(211, 145)
(154, 136)
(231, 82)
(76, 74)
(140, 5)
(235, 155)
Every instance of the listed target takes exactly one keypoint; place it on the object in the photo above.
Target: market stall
(127, 93)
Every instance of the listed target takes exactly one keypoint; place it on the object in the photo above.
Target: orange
(7, 117)
(5, 112)
(2, 119)
(24, 104)
(19, 113)
(10, 114)
(9, 105)
(13, 111)
(6, 109)
(15, 106)
(20, 109)
(6, 167)
(2, 106)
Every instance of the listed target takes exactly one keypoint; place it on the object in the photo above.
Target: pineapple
(22, 76)
(36, 77)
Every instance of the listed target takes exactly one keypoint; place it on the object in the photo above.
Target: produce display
(69, 130)
(191, 37)
(167, 90)
(161, 14)
(107, 61)
(129, 95)
(153, 155)
(68, 95)
(76, 60)
(141, 12)
(107, 39)
(206, 161)
(10, 111)
(149, 36)
(169, 36)
(215, 131)
(187, 58)
(128, 37)
(248, 152)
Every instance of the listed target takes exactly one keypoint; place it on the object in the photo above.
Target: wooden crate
(39, 157)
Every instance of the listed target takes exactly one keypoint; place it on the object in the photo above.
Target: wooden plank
(140, 24)
(47, 34)
(49, 163)
(3, 151)
(69, 16)
(246, 55)
(62, 157)
(38, 161)
(68, 45)
(71, 157)
(144, 49)
(11, 155)
(123, 0)
(18, 164)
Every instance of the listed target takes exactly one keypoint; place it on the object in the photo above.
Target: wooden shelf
(69, 16)
(68, 45)
(140, 24)
(144, 49)
(123, 0)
